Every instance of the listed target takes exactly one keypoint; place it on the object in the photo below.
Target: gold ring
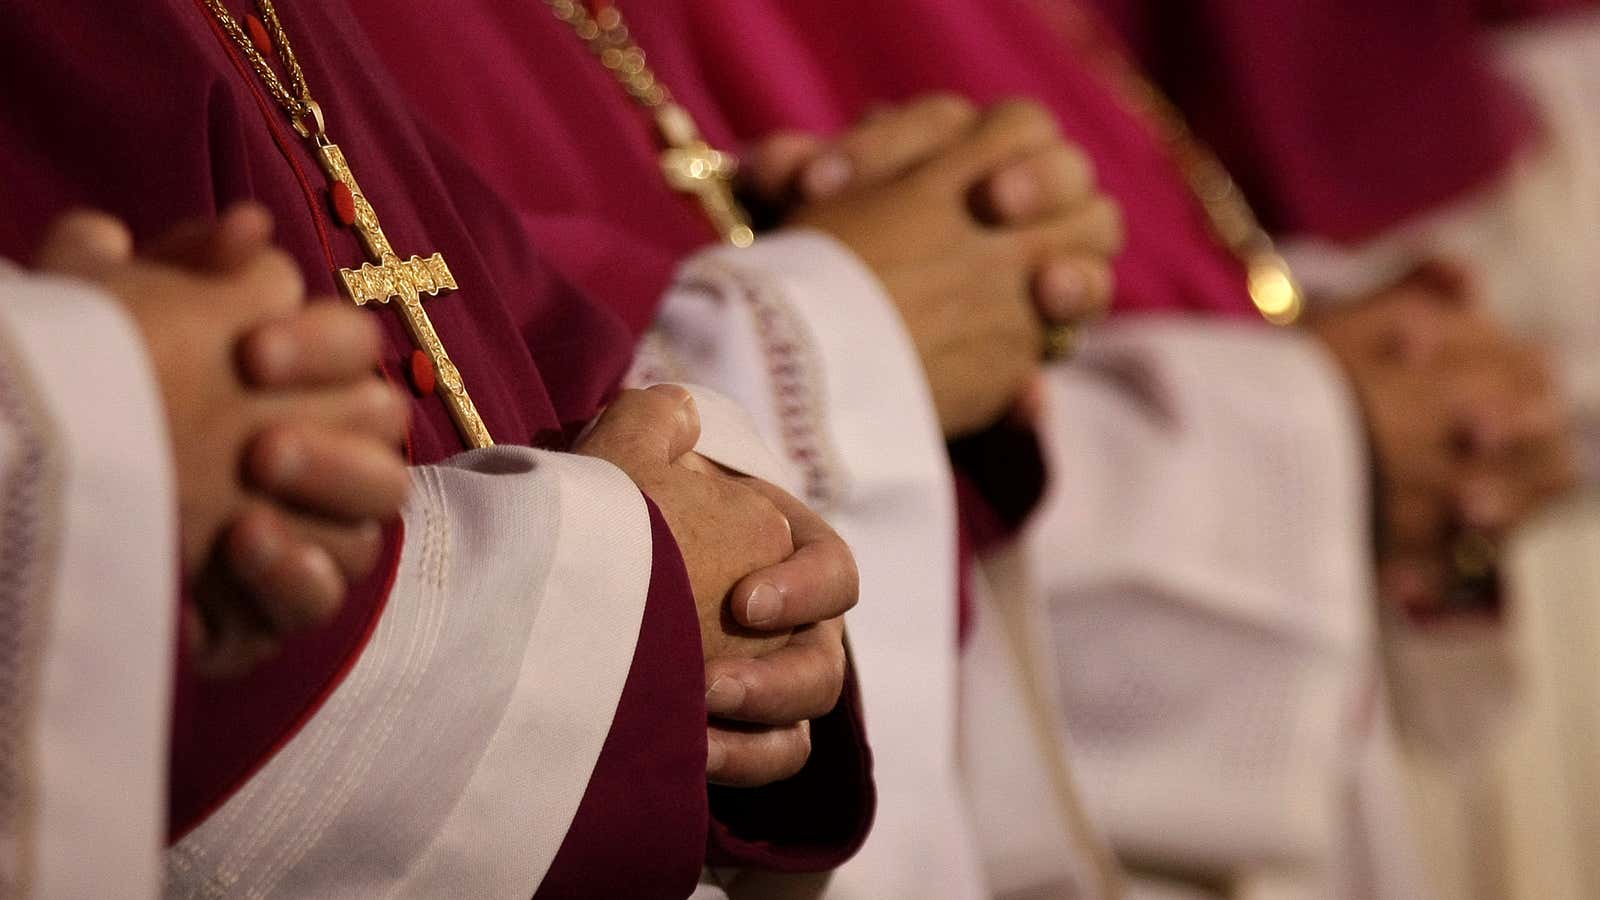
(1475, 557)
(1061, 341)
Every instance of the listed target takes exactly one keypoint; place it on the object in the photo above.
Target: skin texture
(285, 442)
(771, 581)
(984, 225)
(1467, 429)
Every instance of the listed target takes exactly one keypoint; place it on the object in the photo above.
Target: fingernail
(1015, 193)
(828, 175)
(716, 755)
(724, 696)
(764, 605)
(323, 576)
(276, 354)
(287, 462)
(688, 416)
(1064, 291)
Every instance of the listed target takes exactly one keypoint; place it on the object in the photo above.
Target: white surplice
(1204, 554)
(521, 589)
(88, 562)
(1504, 823)
(803, 335)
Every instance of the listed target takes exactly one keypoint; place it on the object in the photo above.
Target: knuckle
(1028, 119)
(769, 528)
(277, 280)
(668, 396)
(357, 551)
(1077, 169)
(946, 109)
(843, 575)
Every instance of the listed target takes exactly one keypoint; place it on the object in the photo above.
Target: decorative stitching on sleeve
(794, 372)
(31, 466)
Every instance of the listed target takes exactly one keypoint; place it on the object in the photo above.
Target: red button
(423, 377)
(343, 203)
(258, 34)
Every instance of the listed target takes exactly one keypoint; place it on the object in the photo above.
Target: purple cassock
(157, 117)
(1341, 118)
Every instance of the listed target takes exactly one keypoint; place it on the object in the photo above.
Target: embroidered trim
(794, 372)
(655, 362)
(30, 516)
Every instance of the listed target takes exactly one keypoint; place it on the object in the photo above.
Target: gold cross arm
(696, 168)
(405, 280)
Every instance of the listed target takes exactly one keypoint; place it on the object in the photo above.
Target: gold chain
(298, 104)
(387, 278)
(691, 165)
(1273, 288)
(608, 38)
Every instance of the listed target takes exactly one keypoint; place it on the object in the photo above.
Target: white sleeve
(1203, 551)
(452, 758)
(800, 333)
(88, 596)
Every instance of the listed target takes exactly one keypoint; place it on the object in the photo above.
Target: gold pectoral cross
(405, 280)
(696, 168)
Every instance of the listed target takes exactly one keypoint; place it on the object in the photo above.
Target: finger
(1074, 289)
(216, 247)
(1451, 281)
(772, 170)
(352, 547)
(226, 637)
(799, 681)
(370, 407)
(267, 285)
(1498, 495)
(739, 757)
(645, 428)
(227, 650)
(244, 230)
(291, 584)
(342, 475)
(327, 343)
(1033, 190)
(1094, 228)
(1414, 583)
(817, 582)
(1004, 134)
(85, 244)
(888, 144)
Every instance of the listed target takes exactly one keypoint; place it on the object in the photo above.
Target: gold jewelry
(690, 165)
(393, 278)
(1273, 288)
(1061, 340)
(1475, 556)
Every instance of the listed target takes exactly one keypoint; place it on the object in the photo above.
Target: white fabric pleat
(452, 758)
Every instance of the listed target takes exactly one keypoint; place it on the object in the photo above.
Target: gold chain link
(1274, 290)
(609, 39)
(298, 103)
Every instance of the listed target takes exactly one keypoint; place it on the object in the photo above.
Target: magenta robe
(156, 116)
(1343, 117)
(745, 68)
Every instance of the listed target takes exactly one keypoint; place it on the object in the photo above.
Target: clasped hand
(1468, 432)
(771, 581)
(984, 225)
(285, 442)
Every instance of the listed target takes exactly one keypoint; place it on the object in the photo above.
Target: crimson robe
(745, 69)
(156, 116)
(1340, 118)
